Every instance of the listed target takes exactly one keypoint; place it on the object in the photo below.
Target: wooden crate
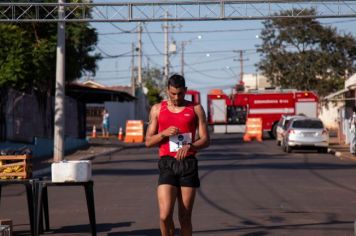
(15, 167)
(7, 222)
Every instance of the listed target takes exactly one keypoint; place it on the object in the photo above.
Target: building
(119, 110)
(339, 105)
(27, 119)
(255, 81)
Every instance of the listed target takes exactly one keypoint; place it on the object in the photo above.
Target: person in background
(353, 131)
(173, 125)
(105, 124)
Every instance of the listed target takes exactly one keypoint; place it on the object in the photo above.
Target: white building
(255, 81)
(338, 108)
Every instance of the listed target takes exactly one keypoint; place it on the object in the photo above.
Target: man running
(173, 125)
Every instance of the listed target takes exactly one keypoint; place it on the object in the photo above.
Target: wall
(119, 113)
(329, 114)
(26, 118)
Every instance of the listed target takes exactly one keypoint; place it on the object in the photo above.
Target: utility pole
(183, 44)
(166, 51)
(139, 55)
(133, 82)
(241, 65)
(241, 60)
(182, 59)
(59, 111)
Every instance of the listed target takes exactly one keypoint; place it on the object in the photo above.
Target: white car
(305, 132)
(282, 126)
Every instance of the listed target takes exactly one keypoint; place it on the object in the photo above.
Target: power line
(207, 75)
(133, 30)
(111, 71)
(196, 52)
(205, 52)
(154, 45)
(213, 60)
(150, 59)
(111, 56)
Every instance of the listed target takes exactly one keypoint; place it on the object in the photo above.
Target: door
(218, 111)
(306, 108)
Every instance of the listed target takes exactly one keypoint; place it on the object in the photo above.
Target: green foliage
(28, 54)
(14, 56)
(152, 79)
(302, 54)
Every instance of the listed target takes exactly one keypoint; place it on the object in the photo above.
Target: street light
(183, 44)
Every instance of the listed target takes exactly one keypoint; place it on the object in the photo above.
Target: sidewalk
(340, 150)
(96, 147)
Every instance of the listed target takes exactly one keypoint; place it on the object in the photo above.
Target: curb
(335, 153)
(341, 155)
(47, 170)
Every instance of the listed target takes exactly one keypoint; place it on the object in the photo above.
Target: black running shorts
(179, 172)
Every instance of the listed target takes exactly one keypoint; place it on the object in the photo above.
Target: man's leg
(167, 195)
(186, 196)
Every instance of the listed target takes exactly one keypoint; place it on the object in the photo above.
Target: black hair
(176, 81)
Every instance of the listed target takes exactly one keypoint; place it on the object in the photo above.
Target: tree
(302, 54)
(152, 80)
(28, 57)
(28, 54)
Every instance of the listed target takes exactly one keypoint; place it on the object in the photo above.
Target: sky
(211, 53)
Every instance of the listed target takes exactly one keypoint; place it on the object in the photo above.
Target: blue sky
(207, 59)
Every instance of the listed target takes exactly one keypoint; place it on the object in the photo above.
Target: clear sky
(210, 57)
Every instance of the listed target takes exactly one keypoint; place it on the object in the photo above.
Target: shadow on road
(143, 232)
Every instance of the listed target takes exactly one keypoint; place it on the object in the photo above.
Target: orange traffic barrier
(134, 131)
(119, 136)
(93, 135)
(253, 129)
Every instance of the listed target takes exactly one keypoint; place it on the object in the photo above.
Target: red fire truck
(193, 96)
(228, 114)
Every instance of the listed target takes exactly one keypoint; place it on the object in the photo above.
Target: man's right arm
(152, 136)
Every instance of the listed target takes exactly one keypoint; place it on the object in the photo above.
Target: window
(308, 124)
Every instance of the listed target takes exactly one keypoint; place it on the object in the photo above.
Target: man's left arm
(204, 139)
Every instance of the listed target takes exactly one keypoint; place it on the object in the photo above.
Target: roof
(93, 84)
(350, 83)
(337, 93)
(126, 89)
(89, 94)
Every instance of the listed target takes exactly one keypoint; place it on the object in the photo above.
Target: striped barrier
(253, 129)
(134, 131)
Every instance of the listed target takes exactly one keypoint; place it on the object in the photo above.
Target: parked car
(305, 132)
(282, 126)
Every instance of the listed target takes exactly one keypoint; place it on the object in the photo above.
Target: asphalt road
(247, 189)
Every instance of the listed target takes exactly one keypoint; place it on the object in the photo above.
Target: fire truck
(228, 114)
(193, 96)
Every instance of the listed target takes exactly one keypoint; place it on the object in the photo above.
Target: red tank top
(186, 123)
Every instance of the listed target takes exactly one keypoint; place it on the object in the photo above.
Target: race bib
(177, 141)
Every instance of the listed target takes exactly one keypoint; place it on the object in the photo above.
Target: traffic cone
(93, 135)
(119, 136)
